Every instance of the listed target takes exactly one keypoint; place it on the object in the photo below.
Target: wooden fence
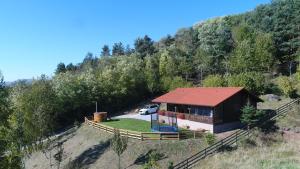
(133, 134)
(233, 138)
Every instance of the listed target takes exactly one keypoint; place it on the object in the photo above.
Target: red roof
(200, 96)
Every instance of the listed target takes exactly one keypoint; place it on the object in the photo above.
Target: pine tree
(105, 51)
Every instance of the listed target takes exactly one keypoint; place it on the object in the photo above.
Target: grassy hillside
(277, 149)
(87, 147)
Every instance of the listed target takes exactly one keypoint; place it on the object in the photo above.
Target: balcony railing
(185, 116)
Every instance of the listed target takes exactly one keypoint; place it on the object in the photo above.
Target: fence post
(187, 163)
(142, 137)
(160, 136)
(236, 137)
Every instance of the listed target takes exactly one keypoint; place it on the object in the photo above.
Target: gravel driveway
(134, 116)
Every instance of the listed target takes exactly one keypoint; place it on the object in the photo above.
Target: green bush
(250, 115)
(247, 143)
(214, 81)
(170, 165)
(210, 138)
(153, 157)
(286, 86)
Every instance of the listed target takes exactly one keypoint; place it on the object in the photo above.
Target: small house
(215, 109)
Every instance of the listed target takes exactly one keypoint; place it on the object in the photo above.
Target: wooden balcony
(191, 117)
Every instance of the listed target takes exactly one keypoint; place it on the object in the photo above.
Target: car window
(153, 106)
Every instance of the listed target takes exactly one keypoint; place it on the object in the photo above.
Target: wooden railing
(134, 134)
(233, 138)
(191, 117)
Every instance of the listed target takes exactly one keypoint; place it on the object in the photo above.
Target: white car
(149, 109)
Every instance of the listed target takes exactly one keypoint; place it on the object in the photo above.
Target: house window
(203, 111)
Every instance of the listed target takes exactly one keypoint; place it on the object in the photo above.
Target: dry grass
(275, 150)
(272, 105)
(291, 121)
(89, 148)
(263, 153)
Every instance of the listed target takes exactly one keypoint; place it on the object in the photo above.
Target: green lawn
(129, 124)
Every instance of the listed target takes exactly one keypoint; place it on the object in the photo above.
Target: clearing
(127, 124)
(87, 147)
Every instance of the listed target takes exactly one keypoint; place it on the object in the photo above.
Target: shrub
(152, 159)
(250, 115)
(286, 86)
(214, 81)
(170, 165)
(210, 138)
(247, 143)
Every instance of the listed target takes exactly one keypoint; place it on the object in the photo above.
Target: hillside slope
(87, 147)
(264, 150)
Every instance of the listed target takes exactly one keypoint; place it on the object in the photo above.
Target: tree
(38, 103)
(167, 64)
(12, 141)
(281, 19)
(4, 101)
(4, 114)
(186, 40)
(89, 61)
(105, 51)
(264, 51)
(252, 81)
(128, 50)
(202, 62)
(152, 74)
(166, 42)
(250, 115)
(214, 38)
(241, 32)
(185, 66)
(61, 68)
(214, 81)
(286, 86)
(118, 49)
(242, 59)
(253, 51)
(144, 46)
(71, 67)
(171, 83)
(119, 145)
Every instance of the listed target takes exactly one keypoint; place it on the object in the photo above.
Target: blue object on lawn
(169, 125)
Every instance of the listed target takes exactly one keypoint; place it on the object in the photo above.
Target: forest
(249, 50)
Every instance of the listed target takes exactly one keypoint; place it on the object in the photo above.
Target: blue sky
(36, 35)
